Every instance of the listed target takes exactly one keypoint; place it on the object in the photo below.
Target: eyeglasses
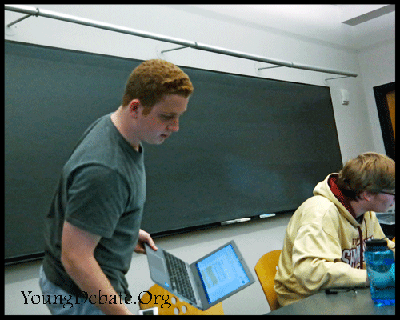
(391, 192)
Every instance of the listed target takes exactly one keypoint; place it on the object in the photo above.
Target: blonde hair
(370, 171)
(153, 79)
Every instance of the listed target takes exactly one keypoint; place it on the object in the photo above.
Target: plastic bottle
(381, 272)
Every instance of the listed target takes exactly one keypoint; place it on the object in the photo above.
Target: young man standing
(325, 239)
(93, 225)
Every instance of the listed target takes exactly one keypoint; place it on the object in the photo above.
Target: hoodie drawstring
(361, 247)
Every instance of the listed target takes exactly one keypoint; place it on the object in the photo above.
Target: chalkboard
(246, 145)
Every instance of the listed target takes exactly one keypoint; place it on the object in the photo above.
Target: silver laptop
(203, 283)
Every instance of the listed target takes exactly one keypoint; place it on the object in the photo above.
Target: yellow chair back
(265, 269)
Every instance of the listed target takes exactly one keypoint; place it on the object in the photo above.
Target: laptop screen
(222, 273)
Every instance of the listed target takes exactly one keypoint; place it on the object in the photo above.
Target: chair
(265, 269)
(177, 306)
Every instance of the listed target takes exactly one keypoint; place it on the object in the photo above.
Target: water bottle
(381, 272)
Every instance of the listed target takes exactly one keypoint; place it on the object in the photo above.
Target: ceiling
(350, 27)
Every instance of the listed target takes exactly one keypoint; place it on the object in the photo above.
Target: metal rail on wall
(32, 11)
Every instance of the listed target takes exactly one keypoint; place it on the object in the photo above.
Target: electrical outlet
(345, 97)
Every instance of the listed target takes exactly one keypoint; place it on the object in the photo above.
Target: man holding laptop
(93, 225)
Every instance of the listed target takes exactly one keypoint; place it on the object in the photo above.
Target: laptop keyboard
(179, 276)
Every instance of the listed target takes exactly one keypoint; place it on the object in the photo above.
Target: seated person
(325, 239)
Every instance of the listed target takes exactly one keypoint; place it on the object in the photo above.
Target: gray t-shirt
(102, 190)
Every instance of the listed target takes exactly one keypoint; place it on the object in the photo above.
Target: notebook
(205, 282)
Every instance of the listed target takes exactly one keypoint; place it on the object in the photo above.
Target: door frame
(384, 117)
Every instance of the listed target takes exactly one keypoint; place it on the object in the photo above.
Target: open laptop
(205, 282)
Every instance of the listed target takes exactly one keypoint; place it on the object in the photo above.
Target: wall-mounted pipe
(181, 42)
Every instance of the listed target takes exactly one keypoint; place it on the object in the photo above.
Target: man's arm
(317, 260)
(77, 257)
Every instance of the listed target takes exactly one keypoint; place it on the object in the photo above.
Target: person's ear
(134, 107)
(367, 196)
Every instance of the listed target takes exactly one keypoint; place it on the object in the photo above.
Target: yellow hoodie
(322, 248)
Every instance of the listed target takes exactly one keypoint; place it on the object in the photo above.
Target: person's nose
(173, 126)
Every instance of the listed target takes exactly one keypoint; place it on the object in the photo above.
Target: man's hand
(144, 237)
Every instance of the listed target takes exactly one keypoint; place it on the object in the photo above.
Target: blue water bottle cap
(375, 244)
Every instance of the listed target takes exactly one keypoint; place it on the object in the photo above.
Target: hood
(323, 189)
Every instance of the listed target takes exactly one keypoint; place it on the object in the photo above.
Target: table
(357, 302)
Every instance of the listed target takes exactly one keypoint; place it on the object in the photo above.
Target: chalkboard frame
(228, 161)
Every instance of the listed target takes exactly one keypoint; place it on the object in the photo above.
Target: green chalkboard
(246, 145)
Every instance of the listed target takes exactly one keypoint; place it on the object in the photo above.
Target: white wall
(358, 130)
(377, 68)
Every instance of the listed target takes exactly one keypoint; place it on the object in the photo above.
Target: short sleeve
(96, 199)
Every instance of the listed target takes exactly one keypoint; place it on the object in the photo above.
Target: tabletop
(352, 301)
